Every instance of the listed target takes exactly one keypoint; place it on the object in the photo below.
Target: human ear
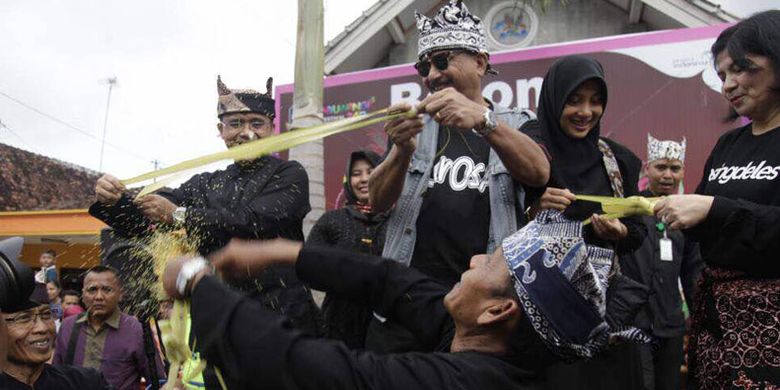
(482, 63)
(500, 311)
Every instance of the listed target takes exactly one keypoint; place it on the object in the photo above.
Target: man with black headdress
(262, 198)
(455, 173)
(27, 332)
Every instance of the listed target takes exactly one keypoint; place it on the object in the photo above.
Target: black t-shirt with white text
(744, 166)
(454, 220)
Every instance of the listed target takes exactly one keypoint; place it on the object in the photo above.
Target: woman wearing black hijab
(572, 102)
(357, 227)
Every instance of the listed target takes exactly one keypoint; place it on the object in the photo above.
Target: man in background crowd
(666, 260)
(105, 338)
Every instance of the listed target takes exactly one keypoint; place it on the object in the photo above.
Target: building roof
(364, 43)
(371, 34)
(29, 181)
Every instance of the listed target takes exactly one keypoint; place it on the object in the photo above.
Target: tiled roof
(29, 181)
(360, 19)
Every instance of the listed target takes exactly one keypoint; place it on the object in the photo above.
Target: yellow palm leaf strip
(260, 147)
(282, 142)
(162, 183)
(622, 207)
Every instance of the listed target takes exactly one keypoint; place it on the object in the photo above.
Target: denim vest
(506, 197)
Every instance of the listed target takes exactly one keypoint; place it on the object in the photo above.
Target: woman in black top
(572, 102)
(735, 215)
(356, 227)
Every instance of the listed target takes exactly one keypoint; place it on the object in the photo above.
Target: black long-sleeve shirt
(266, 198)
(742, 228)
(60, 378)
(663, 315)
(256, 349)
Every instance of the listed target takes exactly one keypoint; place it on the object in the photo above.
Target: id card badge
(666, 248)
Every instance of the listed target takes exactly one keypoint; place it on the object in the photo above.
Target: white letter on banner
(504, 93)
(524, 87)
(406, 92)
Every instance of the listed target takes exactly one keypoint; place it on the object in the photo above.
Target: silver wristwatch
(187, 271)
(491, 122)
(178, 215)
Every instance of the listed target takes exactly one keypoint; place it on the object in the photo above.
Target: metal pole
(156, 164)
(111, 83)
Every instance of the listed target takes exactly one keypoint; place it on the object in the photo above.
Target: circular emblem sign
(511, 24)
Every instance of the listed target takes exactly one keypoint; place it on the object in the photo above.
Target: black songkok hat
(245, 100)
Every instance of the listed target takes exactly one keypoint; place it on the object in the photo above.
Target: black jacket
(663, 315)
(255, 349)
(60, 378)
(266, 198)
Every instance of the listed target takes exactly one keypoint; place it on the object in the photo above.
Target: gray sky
(55, 56)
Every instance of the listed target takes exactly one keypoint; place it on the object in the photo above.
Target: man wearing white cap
(665, 257)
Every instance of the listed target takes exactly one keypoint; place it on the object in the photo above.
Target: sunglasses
(441, 61)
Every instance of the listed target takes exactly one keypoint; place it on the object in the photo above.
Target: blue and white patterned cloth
(562, 284)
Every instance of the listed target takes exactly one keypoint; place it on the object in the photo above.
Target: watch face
(511, 24)
(179, 213)
(493, 119)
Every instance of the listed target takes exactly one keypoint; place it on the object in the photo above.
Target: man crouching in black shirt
(475, 335)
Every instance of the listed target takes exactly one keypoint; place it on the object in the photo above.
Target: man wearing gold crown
(664, 257)
(454, 172)
(263, 198)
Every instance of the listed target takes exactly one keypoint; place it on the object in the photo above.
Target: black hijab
(373, 160)
(577, 164)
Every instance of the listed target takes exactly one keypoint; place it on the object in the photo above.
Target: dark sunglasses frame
(440, 60)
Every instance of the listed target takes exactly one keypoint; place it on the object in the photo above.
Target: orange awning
(49, 223)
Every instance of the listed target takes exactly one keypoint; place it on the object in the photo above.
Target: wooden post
(307, 101)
